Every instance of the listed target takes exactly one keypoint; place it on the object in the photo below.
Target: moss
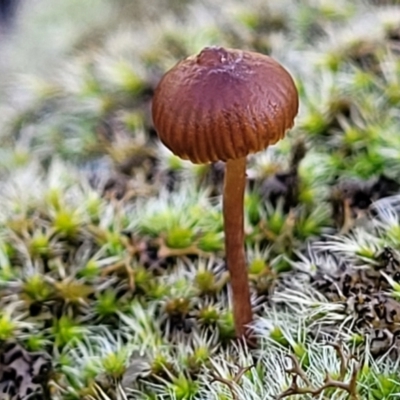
(112, 249)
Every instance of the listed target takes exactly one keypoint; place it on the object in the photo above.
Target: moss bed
(112, 276)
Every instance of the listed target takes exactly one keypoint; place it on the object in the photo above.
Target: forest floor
(113, 283)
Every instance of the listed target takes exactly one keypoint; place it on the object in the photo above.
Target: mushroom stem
(234, 187)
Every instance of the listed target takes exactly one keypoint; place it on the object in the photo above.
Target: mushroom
(221, 105)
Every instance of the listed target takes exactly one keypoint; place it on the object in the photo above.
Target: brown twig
(234, 381)
(344, 359)
(122, 265)
(297, 372)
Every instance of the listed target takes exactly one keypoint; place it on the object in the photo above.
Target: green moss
(278, 336)
(179, 238)
(211, 242)
(67, 223)
(66, 330)
(39, 245)
(183, 388)
(114, 364)
(107, 304)
(36, 289)
(7, 327)
(208, 316)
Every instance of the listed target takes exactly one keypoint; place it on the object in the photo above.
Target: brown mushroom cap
(223, 104)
